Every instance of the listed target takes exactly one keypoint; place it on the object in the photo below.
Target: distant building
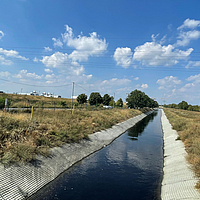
(44, 94)
(34, 93)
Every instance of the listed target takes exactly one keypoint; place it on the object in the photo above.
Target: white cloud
(154, 54)
(5, 74)
(189, 23)
(23, 74)
(64, 63)
(192, 64)
(48, 71)
(57, 42)
(123, 56)
(144, 86)
(1, 34)
(84, 46)
(186, 37)
(12, 53)
(3, 61)
(195, 78)
(193, 86)
(169, 27)
(56, 60)
(115, 82)
(168, 82)
(35, 60)
(136, 78)
(47, 49)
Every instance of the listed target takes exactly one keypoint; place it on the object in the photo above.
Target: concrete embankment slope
(178, 179)
(19, 182)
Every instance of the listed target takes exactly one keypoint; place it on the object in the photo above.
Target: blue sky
(102, 46)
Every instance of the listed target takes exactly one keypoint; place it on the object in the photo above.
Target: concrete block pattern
(21, 181)
(178, 179)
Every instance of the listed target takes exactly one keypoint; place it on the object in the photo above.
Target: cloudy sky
(113, 46)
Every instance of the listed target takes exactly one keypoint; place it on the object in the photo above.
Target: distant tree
(112, 101)
(138, 99)
(95, 98)
(82, 98)
(183, 105)
(119, 103)
(106, 99)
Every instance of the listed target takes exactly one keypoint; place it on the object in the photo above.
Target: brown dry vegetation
(22, 101)
(187, 124)
(21, 138)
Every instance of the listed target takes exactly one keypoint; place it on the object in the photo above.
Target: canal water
(129, 168)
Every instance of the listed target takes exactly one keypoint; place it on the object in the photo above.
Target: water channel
(129, 168)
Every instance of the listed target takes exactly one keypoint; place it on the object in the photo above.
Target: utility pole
(114, 101)
(72, 95)
(166, 98)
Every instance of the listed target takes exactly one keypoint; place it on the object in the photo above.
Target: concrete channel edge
(178, 179)
(21, 181)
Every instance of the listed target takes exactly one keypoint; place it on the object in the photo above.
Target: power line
(34, 85)
(82, 88)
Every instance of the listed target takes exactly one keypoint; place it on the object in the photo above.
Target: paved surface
(19, 182)
(178, 179)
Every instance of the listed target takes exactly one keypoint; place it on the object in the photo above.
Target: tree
(135, 99)
(119, 103)
(138, 99)
(95, 98)
(112, 102)
(183, 105)
(82, 98)
(106, 99)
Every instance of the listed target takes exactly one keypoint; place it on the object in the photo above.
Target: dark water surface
(129, 168)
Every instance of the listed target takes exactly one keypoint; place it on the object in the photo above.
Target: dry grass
(21, 138)
(188, 127)
(23, 101)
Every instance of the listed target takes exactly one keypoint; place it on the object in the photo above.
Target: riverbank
(21, 181)
(23, 138)
(178, 179)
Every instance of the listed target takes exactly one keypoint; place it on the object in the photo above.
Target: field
(22, 138)
(187, 124)
(27, 101)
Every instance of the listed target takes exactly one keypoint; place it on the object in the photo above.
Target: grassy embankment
(187, 124)
(27, 101)
(21, 138)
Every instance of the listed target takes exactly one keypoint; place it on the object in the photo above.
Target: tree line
(183, 105)
(136, 99)
(96, 99)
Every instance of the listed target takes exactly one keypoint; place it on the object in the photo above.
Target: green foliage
(138, 99)
(183, 105)
(63, 103)
(106, 99)
(2, 103)
(119, 103)
(95, 98)
(82, 98)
